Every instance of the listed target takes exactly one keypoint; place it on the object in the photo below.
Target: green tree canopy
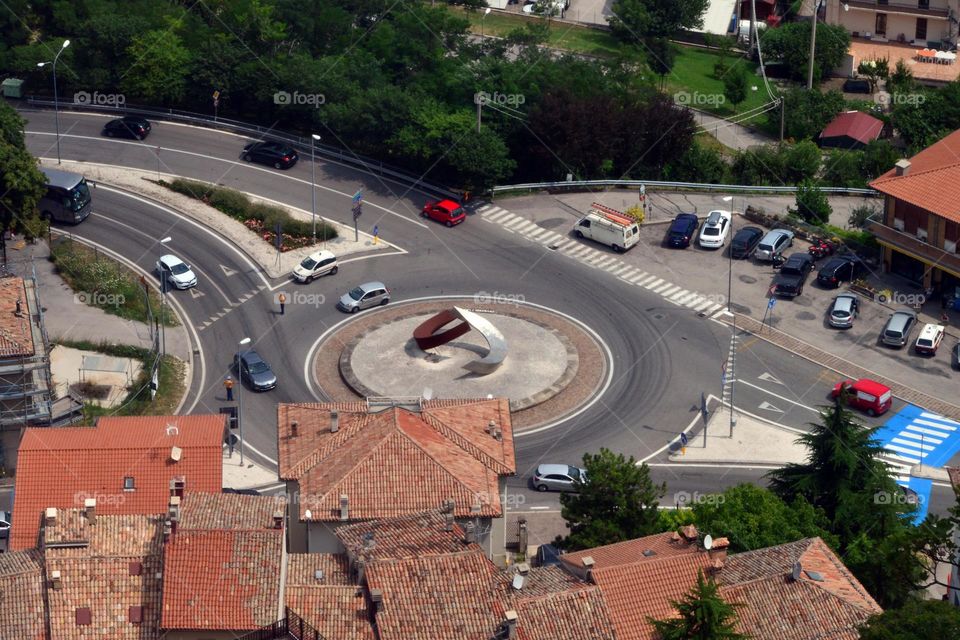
(702, 615)
(618, 502)
(790, 43)
(735, 85)
(806, 113)
(22, 184)
(161, 65)
(636, 20)
(915, 620)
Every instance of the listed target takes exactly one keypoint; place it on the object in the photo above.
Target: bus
(67, 198)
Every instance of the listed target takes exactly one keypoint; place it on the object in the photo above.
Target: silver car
(844, 310)
(773, 244)
(367, 295)
(559, 477)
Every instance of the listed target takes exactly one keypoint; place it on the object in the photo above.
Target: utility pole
(479, 106)
(813, 43)
(782, 116)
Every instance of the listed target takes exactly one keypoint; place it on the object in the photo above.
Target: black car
(547, 554)
(793, 274)
(955, 356)
(745, 242)
(275, 154)
(840, 269)
(254, 370)
(682, 229)
(131, 127)
(856, 85)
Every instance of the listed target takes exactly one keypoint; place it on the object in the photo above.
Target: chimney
(469, 536)
(55, 579)
(167, 530)
(448, 521)
(344, 508)
(50, 517)
(448, 505)
(523, 568)
(176, 453)
(510, 623)
(689, 533)
(361, 566)
(334, 421)
(293, 428)
(173, 508)
(90, 510)
(588, 567)
(376, 597)
(491, 426)
(902, 167)
(278, 520)
(718, 552)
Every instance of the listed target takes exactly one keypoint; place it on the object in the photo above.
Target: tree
(753, 517)
(660, 56)
(879, 156)
(843, 169)
(790, 43)
(21, 183)
(702, 615)
(874, 71)
(617, 502)
(901, 80)
(801, 162)
(915, 620)
(699, 163)
(633, 21)
(735, 86)
(812, 203)
(759, 166)
(859, 215)
(806, 113)
(159, 70)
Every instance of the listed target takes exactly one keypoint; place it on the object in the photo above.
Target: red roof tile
(21, 595)
(60, 467)
(408, 536)
(933, 180)
(16, 336)
(860, 126)
(579, 614)
(663, 545)
(225, 580)
(333, 605)
(200, 510)
(443, 453)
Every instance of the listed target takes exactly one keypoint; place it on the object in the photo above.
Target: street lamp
(56, 101)
(728, 200)
(163, 306)
(313, 185)
(242, 343)
(731, 372)
(485, 14)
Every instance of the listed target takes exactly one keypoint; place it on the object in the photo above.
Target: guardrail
(302, 144)
(693, 186)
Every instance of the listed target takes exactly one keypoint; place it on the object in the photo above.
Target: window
(921, 28)
(881, 27)
(128, 484)
(83, 615)
(923, 4)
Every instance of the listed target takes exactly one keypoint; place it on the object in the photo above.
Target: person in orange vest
(228, 385)
(282, 299)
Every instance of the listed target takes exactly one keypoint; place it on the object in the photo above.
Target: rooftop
(16, 338)
(62, 466)
(203, 510)
(648, 548)
(21, 595)
(319, 589)
(403, 537)
(860, 126)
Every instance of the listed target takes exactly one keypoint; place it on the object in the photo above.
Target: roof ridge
(318, 454)
(844, 571)
(443, 467)
(923, 172)
(461, 440)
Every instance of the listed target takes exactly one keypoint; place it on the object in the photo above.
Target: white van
(608, 226)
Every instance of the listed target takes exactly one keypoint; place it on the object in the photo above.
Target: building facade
(923, 23)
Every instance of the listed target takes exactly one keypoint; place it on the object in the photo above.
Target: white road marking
(227, 271)
(769, 378)
(769, 407)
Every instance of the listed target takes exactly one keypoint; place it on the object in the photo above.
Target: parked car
(745, 241)
(929, 339)
(840, 269)
(4, 525)
(608, 227)
(176, 272)
(275, 154)
(547, 554)
(896, 332)
(844, 310)
(856, 85)
(254, 370)
(369, 294)
(559, 477)
(956, 356)
(773, 244)
(446, 211)
(682, 229)
(793, 275)
(864, 394)
(713, 233)
(319, 263)
(133, 127)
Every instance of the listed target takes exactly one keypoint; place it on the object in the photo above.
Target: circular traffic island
(545, 363)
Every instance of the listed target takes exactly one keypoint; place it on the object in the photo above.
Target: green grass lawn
(571, 37)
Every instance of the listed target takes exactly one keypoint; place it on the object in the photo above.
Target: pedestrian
(228, 385)
(282, 299)
(944, 318)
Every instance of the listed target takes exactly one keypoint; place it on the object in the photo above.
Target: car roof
(929, 330)
(250, 355)
(776, 233)
(368, 286)
(546, 469)
(909, 312)
(751, 230)
(871, 386)
(847, 296)
(317, 256)
(170, 259)
(449, 205)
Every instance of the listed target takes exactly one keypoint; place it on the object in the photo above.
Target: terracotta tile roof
(661, 544)
(200, 510)
(334, 606)
(16, 338)
(542, 581)
(403, 537)
(580, 614)
(227, 580)
(22, 611)
(933, 181)
(60, 467)
(860, 126)
(110, 566)
(443, 452)
(447, 596)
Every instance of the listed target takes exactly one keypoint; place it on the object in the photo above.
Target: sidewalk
(754, 442)
(143, 183)
(249, 475)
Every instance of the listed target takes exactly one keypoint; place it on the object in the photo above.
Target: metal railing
(693, 186)
(301, 143)
(290, 626)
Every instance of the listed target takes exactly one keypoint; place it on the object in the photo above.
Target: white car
(4, 525)
(319, 263)
(715, 229)
(545, 7)
(176, 272)
(930, 338)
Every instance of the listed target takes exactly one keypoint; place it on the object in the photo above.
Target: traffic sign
(358, 197)
(772, 302)
(683, 439)
(356, 212)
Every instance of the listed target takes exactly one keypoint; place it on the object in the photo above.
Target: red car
(866, 395)
(445, 211)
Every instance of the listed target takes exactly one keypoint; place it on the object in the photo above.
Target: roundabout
(553, 366)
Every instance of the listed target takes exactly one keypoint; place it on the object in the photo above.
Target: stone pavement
(249, 475)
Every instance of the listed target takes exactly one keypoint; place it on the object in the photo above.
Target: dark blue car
(682, 229)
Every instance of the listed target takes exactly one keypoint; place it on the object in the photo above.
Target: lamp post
(163, 306)
(56, 100)
(485, 14)
(313, 185)
(733, 328)
(240, 346)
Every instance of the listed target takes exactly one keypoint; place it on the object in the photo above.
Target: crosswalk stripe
(702, 304)
(513, 222)
(620, 271)
(939, 418)
(604, 262)
(497, 216)
(635, 276)
(490, 209)
(935, 425)
(577, 249)
(655, 283)
(527, 226)
(537, 233)
(645, 281)
(903, 458)
(566, 247)
(893, 447)
(670, 289)
(932, 432)
(918, 437)
(552, 237)
(915, 445)
(680, 296)
(711, 310)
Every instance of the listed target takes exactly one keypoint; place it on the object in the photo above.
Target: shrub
(812, 204)
(636, 212)
(858, 217)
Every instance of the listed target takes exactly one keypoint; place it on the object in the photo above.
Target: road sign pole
(704, 413)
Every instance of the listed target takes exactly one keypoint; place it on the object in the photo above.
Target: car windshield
(308, 263)
(179, 269)
(841, 313)
(573, 472)
(79, 196)
(765, 247)
(356, 293)
(925, 342)
(258, 367)
(711, 231)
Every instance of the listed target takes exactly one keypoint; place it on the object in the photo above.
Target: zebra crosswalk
(913, 436)
(564, 245)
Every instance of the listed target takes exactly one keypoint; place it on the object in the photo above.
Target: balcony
(919, 9)
(914, 247)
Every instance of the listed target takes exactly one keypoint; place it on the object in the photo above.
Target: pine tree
(703, 615)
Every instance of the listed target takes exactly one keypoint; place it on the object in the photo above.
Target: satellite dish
(427, 393)
(708, 542)
(307, 514)
(797, 568)
(518, 582)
